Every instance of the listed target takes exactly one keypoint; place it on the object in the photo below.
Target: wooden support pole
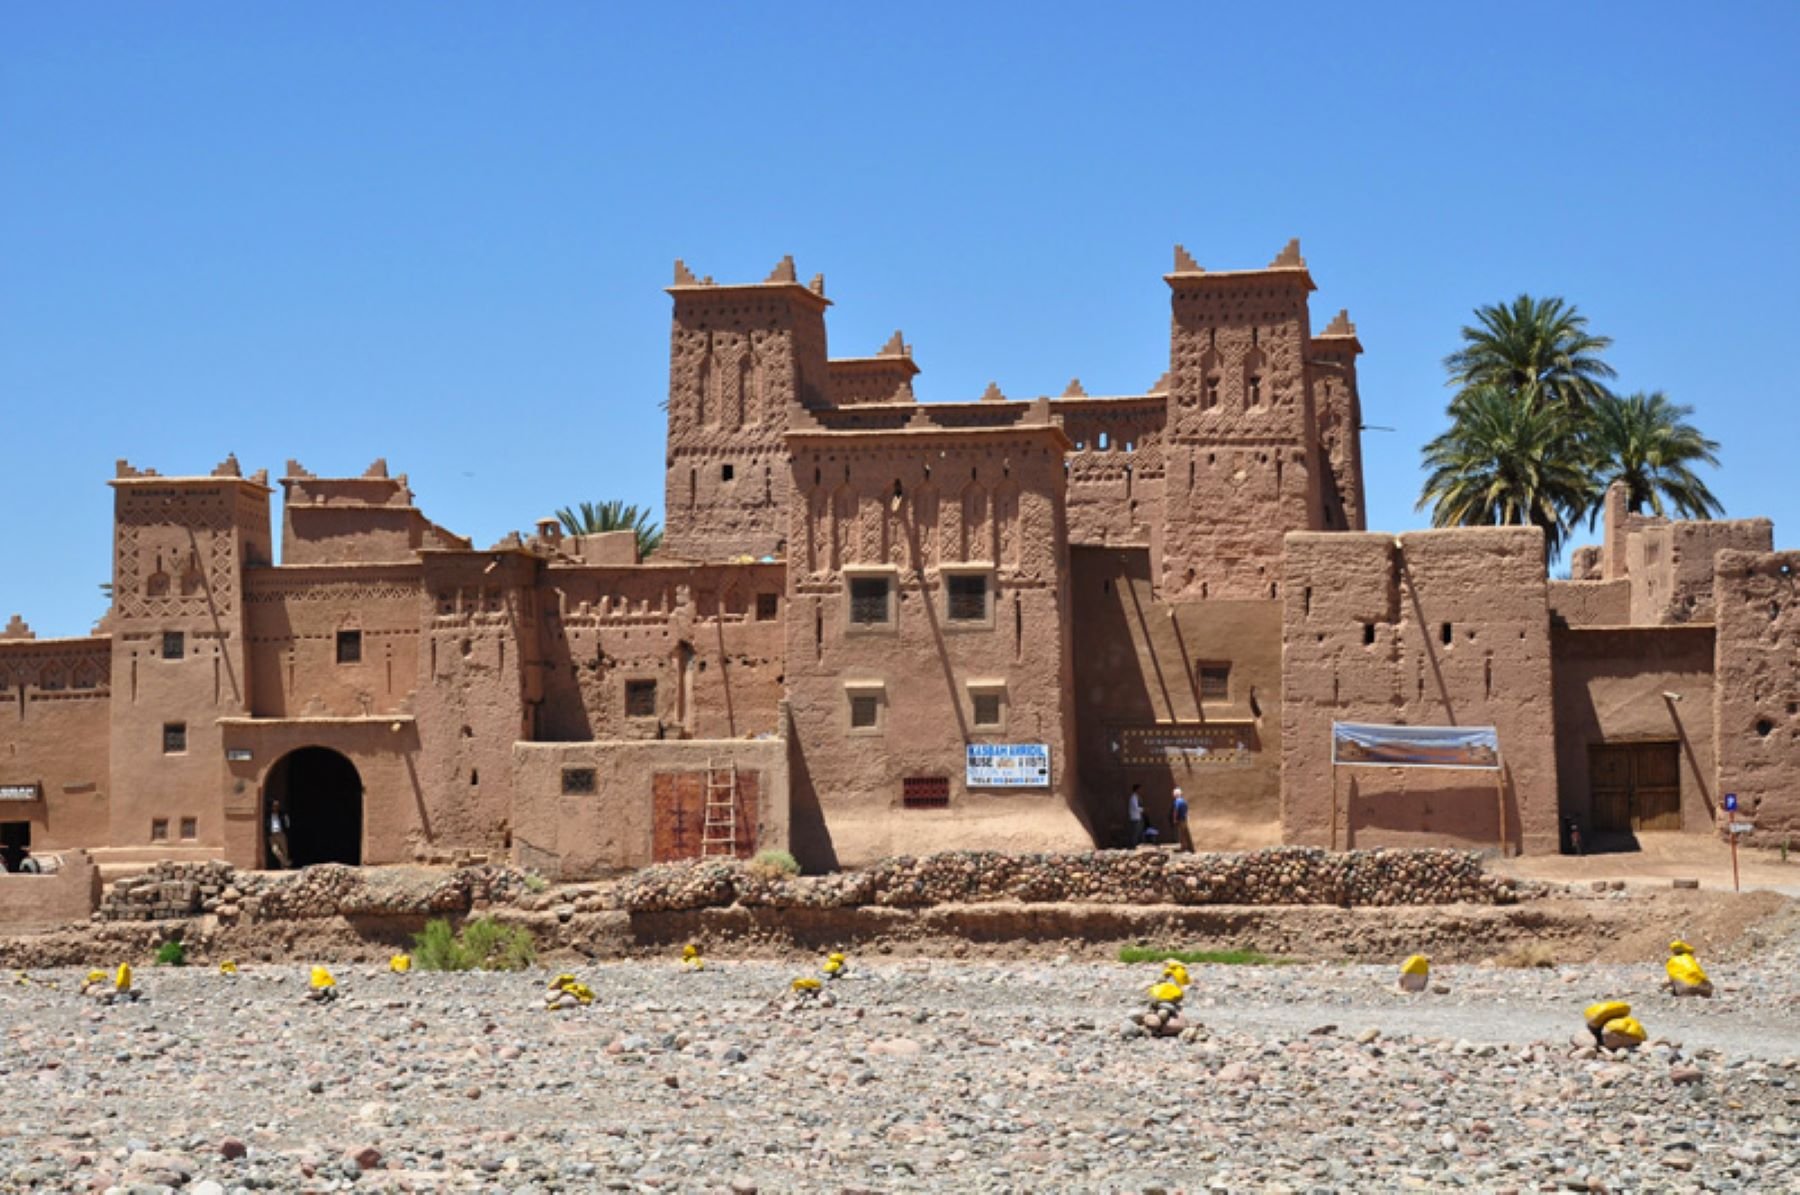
(1334, 807)
(1500, 786)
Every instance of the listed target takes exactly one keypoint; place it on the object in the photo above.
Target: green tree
(1508, 460)
(1533, 349)
(1645, 441)
(593, 518)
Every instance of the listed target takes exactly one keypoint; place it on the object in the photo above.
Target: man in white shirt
(1134, 813)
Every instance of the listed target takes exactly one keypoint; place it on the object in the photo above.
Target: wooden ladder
(718, 836)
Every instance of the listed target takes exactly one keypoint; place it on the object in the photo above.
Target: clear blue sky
(439, 233)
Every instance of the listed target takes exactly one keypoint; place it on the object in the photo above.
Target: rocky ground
(917, 1075)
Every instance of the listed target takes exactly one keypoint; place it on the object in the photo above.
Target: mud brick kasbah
(856, 588)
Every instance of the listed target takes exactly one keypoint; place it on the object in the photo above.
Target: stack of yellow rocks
(1613, 1026)
(566, 992)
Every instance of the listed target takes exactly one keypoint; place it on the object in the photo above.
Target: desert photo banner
(1415, 746)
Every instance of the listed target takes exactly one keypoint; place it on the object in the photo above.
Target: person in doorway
(278, 834)
(12, 856)
(1178, 816)
(1134, 815)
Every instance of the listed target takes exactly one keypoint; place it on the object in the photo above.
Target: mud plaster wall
(705, 635)
(1757, 713)
(1609, 689)
(1114, 468)
(479, 688)
(1671, 566)
(179, 550)
(68, 897)
(55, 714)
(912, 507)
(740, 360)
(572, 836)
(1240, 454)
(295, 616)
(1138, 666)
(1366, 620)
(397, 816)
(1332, 361)
(1590, 603)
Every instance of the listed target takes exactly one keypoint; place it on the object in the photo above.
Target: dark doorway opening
(321, 796)
(15, 844)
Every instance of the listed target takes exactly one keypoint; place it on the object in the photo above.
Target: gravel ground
(919, 1075)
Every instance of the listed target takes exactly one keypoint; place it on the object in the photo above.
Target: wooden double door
(678, 802)
(1635, 786)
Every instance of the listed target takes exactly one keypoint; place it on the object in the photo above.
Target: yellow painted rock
(322, 980)
(1622, 1033)
(690, 951)
(400, 964)
(1686, 978)
(562, 980)
(1166, 993)
(1174, 972)
(805, 983)
(122, 980)
(1415, 973)
(227, 968)
(1597, 1015)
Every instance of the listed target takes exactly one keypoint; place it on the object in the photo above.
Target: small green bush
(1221, 958)
(483, 945)
(774, 863)
(171, 954)
(535, 882)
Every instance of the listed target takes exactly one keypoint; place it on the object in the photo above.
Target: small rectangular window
(159, 829)
(190, 828)
(968, 597)
(174, 645)
(865, 711)
(174, 738)
(870, 601)
(987, 709)
(768, 607)
(349, 647)
(578, 782)
(727, 472)
(1215, 681)
(925, 792)
(640, 699)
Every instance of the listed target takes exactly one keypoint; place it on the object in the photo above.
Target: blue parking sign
(1730, 802)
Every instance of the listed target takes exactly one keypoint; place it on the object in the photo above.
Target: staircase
(718, 838)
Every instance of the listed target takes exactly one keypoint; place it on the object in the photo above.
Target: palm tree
(1507, 461)
(1534, 349)
(614, 515)
(1645, 441)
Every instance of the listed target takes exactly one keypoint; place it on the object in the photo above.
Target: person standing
(278, 834)
(1178, 814)
(1134, 814)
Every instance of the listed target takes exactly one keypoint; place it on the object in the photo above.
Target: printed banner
(1164, 746)
(1009, 765)
(1415, 746)
(18, 792)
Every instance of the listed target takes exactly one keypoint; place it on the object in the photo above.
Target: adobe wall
(479, 690)
(1610, 686)
(1331, 365)
(911, 506)
(742, 359)
(1114, 468)
(67, 897)
(400, 818)
(1240, 453)
(1140, 712)
(579, 835)
(295, 614)
(55, 715)
(354, 520)
(1757, 713)
(180, 548)
(1429, 628)
(1590, 603)
(1671, 565)
(709, 637)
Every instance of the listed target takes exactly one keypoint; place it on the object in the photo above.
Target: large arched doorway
(319, 795)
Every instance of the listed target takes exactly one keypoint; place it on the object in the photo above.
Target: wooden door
(1656, 786)
(1635, 786)
(679, 811)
